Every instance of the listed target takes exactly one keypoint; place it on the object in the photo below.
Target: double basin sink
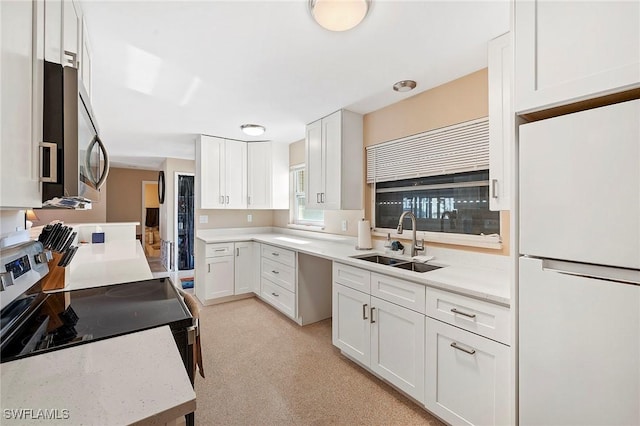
(398, 263)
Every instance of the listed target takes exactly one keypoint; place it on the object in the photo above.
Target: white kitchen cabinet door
(219, 281)
(259, 175)
(21, 103)
(467, 376)
(235, 183)
(501, 122)
(314, 184)
(332, 155)
(71, 25)
(209, 172)
(397, 346)
(334, 162)
(244, 268)
(568, 51)
(351, 331)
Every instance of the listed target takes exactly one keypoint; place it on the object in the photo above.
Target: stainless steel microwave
(75, 162)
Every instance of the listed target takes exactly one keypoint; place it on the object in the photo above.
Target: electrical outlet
(249, 218)
(204, 218)
(344, 225)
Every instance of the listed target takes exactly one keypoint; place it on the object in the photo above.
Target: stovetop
(80, 316)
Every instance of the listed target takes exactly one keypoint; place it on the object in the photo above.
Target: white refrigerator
(579, 277)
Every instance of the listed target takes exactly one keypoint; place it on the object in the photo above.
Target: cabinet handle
(454, 345)
(53, 162)
(248, 199)
(322, 197)
(72, 58)
(318, 198)
(275, 254)
(455, 311)
(208, 268)
(275, 272)
(494, 188)
(237, 252)
(364, 311)
(371, 320)
(220, 249)
(227, 199)
(222, 199)
(276, 295)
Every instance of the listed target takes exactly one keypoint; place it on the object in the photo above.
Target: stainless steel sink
(417, 266)
(399, 263)
(382, 260)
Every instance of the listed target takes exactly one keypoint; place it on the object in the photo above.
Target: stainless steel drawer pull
(364, 311)
(371, 319)
(223, 249)
(494, 188)
(275, 294)
(275, 272)
(275, 254)
(454, 345)
(464, 314)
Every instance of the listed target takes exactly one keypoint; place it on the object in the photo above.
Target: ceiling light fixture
(253, 129)
(339, 15)
(404, 86)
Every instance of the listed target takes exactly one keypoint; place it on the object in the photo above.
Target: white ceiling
(164, 72)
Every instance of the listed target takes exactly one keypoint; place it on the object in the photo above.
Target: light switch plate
(204, 218)
(249, 218)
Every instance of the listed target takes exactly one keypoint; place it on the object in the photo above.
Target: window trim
(294, 222)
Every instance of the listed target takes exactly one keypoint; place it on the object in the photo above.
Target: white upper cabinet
(22, 50)
(501, 125)
(221, 173)
(85, 61)
(63, 41)
(334, 162)
(267, 175)
(569, 51)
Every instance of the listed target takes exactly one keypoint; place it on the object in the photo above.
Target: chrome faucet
(415, 248)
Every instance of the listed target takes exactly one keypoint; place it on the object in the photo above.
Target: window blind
(458, 148)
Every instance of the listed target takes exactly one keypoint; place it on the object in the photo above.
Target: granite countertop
(486, 283)
(78, 386)
(115, 262)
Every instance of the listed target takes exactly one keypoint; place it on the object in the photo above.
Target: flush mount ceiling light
(252, 129)
(339, 15)
(404, 86)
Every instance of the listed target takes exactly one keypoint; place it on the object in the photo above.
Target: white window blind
(454, 149)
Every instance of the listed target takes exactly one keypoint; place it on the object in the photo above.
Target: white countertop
(137, 377)
(114, 262)
(486, 283)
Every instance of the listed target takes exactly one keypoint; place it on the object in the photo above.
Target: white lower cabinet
(460, 376)
(219, 281)
(278, 278)
(382, 336)
(224, 269)
(467, 376)
(244, 268)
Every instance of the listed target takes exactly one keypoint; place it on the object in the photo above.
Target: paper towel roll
(364, 234)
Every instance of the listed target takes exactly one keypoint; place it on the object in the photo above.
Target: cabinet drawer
(480, 317)
(401, 292)
(280, 274)
(277, 254)
(281, 299)
(467, 376)
(356, 278)
(219, 249)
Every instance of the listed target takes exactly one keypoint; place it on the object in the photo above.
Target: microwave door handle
(105, 168)
(97, 182)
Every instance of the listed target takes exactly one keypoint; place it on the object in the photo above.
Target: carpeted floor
(263, 369)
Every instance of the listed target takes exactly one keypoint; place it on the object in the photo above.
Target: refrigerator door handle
(619, 275)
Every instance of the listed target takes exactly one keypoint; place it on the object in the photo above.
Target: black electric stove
(37, 322)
